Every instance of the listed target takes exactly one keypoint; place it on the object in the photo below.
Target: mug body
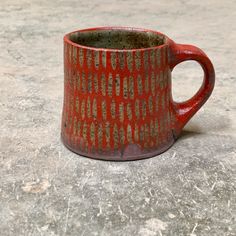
(117, 84)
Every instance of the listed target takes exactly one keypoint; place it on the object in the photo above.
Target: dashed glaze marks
(118, 99)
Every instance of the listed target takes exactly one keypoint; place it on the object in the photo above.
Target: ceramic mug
(117, 92)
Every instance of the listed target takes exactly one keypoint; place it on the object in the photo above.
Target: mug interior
(117, 39)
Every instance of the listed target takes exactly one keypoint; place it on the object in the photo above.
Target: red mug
(117, 92)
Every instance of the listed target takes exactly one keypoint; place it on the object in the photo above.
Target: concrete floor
(47, 190)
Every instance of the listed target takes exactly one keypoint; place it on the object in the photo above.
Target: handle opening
(183, 111)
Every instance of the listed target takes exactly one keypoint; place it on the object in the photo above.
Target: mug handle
(183, 111)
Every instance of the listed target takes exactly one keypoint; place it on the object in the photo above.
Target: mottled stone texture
(47, 190)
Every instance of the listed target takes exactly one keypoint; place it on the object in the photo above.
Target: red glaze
(121, 108)
(185, 110)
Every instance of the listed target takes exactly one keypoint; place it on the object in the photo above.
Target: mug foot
(131, 152)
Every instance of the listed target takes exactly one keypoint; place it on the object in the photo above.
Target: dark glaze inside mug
(117, 39)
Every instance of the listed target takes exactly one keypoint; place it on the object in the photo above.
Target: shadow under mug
(118, 103)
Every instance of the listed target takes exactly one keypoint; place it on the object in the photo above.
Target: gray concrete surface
(47, 190)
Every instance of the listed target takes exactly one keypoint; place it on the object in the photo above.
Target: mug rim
(123, 28)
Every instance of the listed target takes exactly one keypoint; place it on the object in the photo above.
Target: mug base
(130, 155)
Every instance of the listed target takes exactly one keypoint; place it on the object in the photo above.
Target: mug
(117, 92)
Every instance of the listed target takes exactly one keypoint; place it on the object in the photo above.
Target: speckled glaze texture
(117, 92)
